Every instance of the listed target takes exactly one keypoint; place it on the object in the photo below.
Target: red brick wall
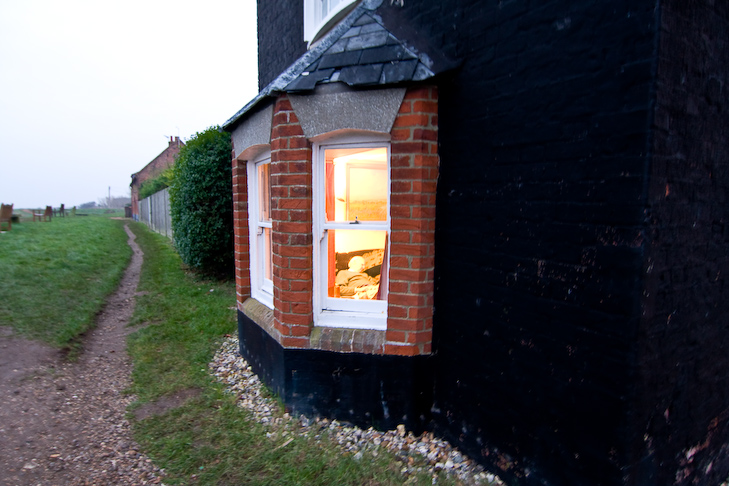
(414, 172)
(159, 164)
(240, 229)
(292, 226)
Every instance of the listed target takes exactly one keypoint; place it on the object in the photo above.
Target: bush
(201, 203)
(156, 184)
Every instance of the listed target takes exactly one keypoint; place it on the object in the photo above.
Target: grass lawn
(55, 276)
(210, 440)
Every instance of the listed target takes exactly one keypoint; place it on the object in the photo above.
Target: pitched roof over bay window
(359, 52)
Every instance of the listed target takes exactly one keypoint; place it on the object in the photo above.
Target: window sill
(263, 298)
(259, 313)
(352, 320)
(366, 341)
(335, 339)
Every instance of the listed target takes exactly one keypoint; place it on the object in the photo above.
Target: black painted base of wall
(366, 390)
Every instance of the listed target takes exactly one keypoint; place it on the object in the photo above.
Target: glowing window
(259, 210)
(353, 214)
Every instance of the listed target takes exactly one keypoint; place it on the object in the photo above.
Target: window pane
(356, 264)
(263, 229)
(266, 250)
(327, 6)
(356, 184)
(264, 192)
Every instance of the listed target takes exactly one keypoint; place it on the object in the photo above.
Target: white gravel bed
(233, 371)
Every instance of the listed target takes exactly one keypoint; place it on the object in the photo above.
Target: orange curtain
(331, 254)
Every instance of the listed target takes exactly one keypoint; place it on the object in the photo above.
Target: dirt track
(64, 423)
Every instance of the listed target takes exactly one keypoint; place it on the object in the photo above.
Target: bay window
(260, 225)
(352, 226)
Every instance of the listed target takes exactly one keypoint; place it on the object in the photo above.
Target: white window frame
(261, 287)
(318, 18)
(331, 311)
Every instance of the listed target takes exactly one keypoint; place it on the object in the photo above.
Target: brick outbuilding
(159, 164)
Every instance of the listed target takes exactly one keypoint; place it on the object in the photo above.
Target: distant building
(539, 192)
(159, 164)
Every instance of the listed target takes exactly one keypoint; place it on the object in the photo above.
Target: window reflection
(267, 250)
(356, 264)
(356, 185)
(264, 192)
(264, 219)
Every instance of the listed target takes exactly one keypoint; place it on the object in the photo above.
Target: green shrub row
(201, 203)
(156, 184)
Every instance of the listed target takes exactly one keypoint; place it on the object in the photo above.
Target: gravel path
(64, 423)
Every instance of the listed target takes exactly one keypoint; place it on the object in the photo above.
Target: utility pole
(108, 205)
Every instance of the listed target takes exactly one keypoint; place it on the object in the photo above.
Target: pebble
(424, 452)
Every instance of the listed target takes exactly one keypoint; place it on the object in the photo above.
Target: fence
(154, 211)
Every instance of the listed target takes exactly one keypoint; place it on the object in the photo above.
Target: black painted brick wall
(544, 137)
(683, 404)
(582, 235)
(367, 390)
(280, 37)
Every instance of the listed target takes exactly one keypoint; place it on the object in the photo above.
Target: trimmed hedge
(201, 203)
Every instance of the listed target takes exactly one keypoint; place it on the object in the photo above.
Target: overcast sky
(92, 90)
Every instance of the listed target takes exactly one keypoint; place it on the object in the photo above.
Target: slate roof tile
(399, 71)
(422, 73)
(373, 27)
(385, 54)
(308, 82)
(361, 75)
(352, 32)
(371, 39)
(364, 20)
(339, 46)
(347, 58)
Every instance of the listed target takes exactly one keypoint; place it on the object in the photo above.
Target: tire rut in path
(64, 423)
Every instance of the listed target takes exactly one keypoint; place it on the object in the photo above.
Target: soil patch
(21, 358)
(165, 403)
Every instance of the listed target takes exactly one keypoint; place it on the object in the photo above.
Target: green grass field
(55, 276)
